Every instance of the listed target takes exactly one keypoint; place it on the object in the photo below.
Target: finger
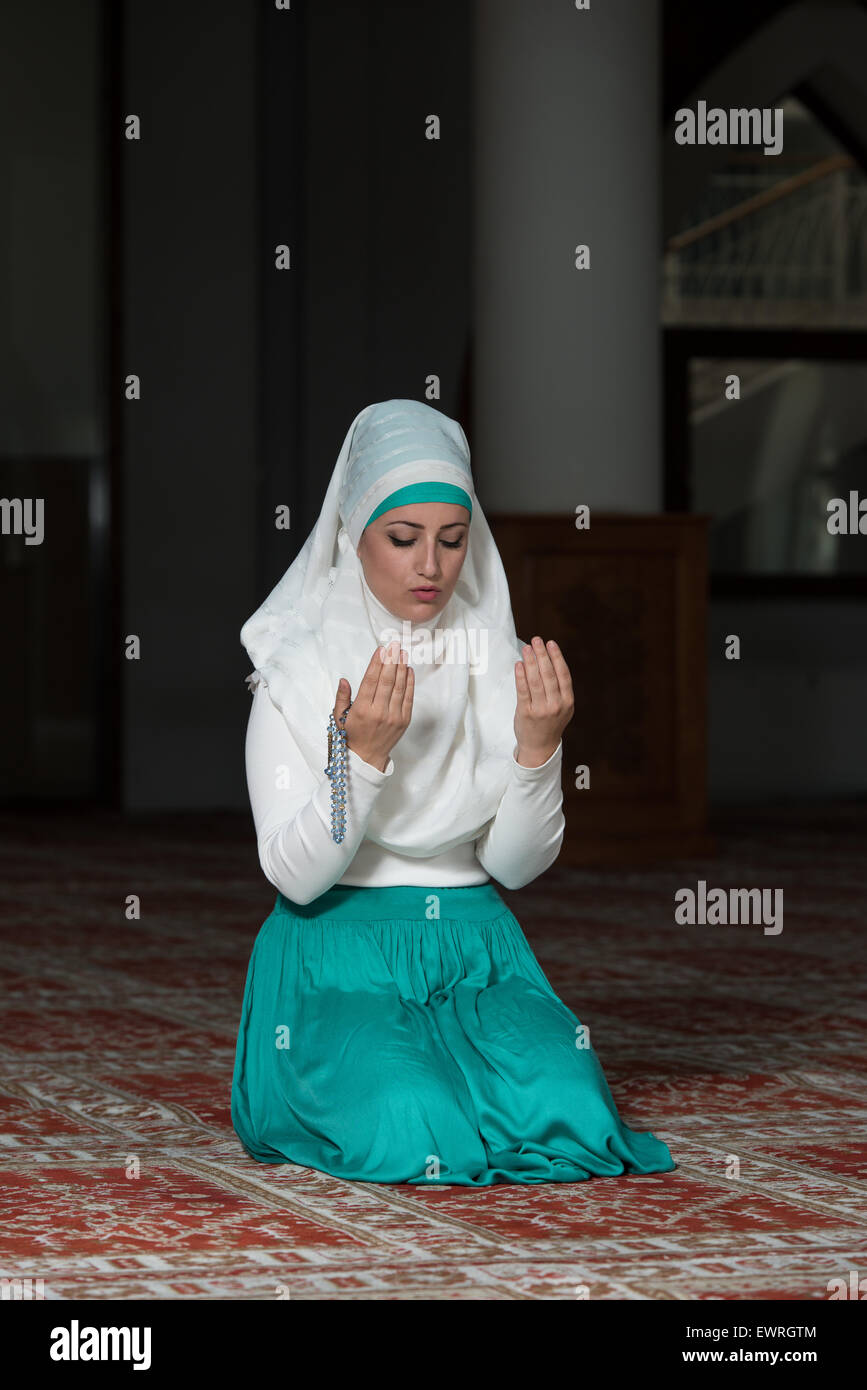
(385, 683)
(344, 697)
(521, 682)
(378, 665)
(389, 654)
(370, 679)
(406, 710)
(395, 703)
(550, 683)
(562, 670)
(534, 679)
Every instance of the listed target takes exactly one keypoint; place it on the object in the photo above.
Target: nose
(429, 568)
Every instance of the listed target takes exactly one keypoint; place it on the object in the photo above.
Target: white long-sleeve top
(292, 814)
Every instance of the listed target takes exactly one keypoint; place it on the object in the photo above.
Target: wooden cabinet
(626, 600)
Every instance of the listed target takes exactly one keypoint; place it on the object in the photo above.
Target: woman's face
(411, 549)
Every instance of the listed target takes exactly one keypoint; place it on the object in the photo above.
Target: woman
(396, 1026)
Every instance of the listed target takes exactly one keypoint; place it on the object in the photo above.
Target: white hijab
(322, 621)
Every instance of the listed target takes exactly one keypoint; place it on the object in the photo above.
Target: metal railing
(792, 253)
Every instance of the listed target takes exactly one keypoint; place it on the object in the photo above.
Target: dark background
(409, 258)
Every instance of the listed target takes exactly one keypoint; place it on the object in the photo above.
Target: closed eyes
(452, 545)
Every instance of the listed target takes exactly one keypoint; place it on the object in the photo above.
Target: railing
(793, 253)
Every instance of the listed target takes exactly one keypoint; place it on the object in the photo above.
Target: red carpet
(739, 1049)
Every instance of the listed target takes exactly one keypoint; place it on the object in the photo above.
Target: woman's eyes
(452, 545)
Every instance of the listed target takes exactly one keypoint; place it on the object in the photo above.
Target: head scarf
(322, 621)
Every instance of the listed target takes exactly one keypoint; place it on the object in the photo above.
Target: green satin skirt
(409, 1035)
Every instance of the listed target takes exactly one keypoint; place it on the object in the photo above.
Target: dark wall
(262, 127)
(189, 445)
(388, 225)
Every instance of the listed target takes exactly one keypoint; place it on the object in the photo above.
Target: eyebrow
(419, 527)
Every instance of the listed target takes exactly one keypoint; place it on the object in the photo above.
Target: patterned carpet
(742, 1050)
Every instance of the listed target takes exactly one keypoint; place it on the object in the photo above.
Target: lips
(426, 589)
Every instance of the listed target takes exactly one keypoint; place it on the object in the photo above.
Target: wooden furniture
(626, 599)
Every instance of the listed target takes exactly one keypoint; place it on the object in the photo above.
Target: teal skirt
(409, 1035)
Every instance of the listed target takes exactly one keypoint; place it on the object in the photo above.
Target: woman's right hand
(382, 709)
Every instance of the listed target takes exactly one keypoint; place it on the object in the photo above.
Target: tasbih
(336, 771)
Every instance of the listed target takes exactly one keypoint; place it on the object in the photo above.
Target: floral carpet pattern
(121, 1176)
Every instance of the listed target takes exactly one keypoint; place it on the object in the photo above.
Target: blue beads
(336, 770)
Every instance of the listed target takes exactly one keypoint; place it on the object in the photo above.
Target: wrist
(371, 759)
(534, 757)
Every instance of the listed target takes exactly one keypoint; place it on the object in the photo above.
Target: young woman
(396, 1026)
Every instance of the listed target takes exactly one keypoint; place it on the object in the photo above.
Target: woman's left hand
(545, 702)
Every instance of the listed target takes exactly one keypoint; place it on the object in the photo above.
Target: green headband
(423, 492)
